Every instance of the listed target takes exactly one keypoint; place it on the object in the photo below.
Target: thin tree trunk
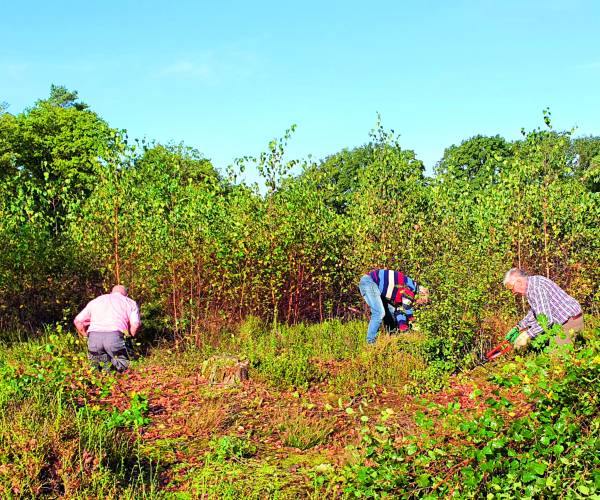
(242, 293)
(116, 242)
(291, 293)
(274, 304)
(298, 292)
(320, 301)
(546, 242)
(174, 300)
(545, 210)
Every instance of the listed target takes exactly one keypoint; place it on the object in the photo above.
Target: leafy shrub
(430, 379)
(548, 453)
(135, 416)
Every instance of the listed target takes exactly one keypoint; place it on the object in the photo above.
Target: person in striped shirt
(547, 298)
(385, 288)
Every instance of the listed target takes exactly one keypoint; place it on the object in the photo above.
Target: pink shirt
(109, 313)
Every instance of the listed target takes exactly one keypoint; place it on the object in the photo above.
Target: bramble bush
(550, 452)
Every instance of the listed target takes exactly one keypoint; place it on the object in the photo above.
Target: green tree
(478, 159)
(62, 97)
(50, 156)
(587, 167)
(56, 149)
(339, 174)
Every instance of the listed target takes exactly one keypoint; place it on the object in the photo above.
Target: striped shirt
(398, 290)
(547, 298)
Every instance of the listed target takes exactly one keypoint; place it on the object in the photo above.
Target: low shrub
(551, 452)
(230, 448)
(53, 440)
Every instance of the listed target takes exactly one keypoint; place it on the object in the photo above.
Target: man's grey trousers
(106, 348)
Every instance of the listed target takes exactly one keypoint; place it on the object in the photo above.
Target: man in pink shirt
(104, 321)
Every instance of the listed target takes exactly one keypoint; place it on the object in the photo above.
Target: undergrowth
(550, 452)
(52, 442)
(314, 427)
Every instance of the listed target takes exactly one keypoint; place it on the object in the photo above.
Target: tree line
(83, 206)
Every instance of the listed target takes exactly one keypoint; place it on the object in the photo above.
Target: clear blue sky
(226, 77)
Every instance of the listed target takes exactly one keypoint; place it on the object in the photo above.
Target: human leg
(370, 292)
(389, 321)
(114, 344)
(570, 329)
(96, 353)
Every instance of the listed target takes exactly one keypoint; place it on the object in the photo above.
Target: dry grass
(382, 364)
(302, 431)
(207, 417)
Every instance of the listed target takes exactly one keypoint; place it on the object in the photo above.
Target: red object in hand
(499, 350)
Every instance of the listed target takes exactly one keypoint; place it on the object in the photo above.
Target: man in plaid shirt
(544, 297)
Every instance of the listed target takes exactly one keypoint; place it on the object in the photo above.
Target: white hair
(515, 271)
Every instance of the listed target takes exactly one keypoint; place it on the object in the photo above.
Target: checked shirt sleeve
(540, 303)
(529, 321)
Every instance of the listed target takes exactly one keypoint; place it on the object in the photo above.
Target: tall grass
(52, 443)
(332, 352)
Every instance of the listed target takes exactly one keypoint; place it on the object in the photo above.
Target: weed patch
(301, 431)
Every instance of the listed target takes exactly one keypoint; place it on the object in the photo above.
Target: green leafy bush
(549, 452)
(135, 416)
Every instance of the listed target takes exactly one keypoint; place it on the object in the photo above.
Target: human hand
(522, 340)
(512, 334)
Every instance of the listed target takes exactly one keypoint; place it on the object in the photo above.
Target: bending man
(547, 298)
(104, 321)
(398, 291)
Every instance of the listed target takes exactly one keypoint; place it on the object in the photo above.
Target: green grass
(305, 426)
(332, 352)
(51, 442)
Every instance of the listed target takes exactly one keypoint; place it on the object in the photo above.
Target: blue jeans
(370, 292)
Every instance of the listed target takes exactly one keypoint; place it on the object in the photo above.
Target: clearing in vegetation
(338, 419)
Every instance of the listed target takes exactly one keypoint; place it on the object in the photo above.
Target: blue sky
(226, 77)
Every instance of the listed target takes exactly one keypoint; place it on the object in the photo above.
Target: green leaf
(423, 480)
(411, 449)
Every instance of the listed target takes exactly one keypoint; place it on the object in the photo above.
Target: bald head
(119, 289)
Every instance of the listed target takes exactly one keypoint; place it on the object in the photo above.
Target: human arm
(134, 320)
(540, 301)
(530, 324)
(82, 322)
(133, 329)
(81, 328)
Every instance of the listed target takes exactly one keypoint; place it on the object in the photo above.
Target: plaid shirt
(547, 298)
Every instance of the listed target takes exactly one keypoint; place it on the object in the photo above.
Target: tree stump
(225, 370)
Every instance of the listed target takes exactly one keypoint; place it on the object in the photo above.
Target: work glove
(512, 334)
